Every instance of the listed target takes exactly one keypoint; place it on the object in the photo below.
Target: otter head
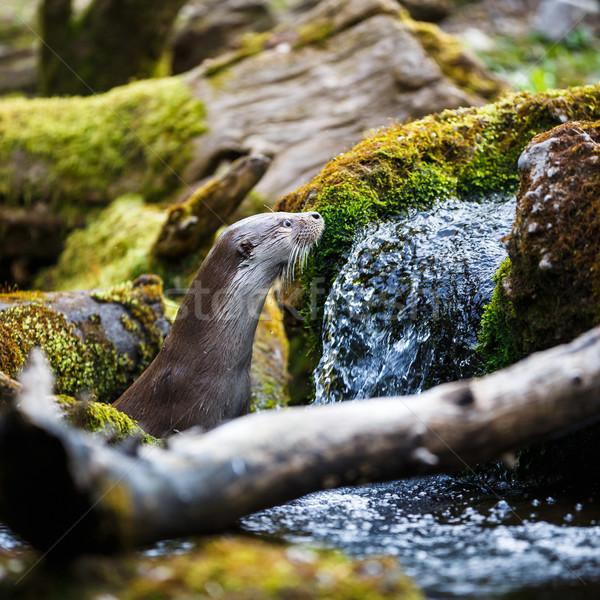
(268, 245)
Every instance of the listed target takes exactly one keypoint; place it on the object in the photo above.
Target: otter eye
(286, 223)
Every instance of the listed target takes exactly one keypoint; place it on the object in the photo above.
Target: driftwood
(67, 493)
(192, 222)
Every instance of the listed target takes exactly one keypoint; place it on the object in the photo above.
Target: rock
(427, 10)
(213, 26)
(548, 291)
(307, 93)
(96, 341)
(554, 279)
(555, 18)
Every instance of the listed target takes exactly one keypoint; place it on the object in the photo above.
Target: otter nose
(315, 215)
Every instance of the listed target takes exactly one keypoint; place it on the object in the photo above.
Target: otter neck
(229, 311)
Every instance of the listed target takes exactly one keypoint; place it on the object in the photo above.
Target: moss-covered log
(109, 44)
(96, 342)
(103, 500)
(62, 160)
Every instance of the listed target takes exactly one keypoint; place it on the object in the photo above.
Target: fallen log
(66, 493)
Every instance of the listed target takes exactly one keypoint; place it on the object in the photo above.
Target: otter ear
(245, 248)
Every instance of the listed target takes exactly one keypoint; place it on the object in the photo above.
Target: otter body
(201, 376)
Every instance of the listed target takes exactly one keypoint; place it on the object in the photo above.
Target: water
(404, 311)
(403, 315)
(457, 539)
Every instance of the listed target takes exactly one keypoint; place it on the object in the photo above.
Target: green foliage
(533, 63)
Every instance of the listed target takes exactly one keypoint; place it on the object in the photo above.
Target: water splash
(404, 312)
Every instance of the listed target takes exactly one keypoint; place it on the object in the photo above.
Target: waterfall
(404, 311)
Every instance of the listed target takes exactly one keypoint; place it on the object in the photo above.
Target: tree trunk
(66, 493)
(113, 42)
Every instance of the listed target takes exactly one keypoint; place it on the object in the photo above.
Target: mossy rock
(548, 290)
(77, 152)
(465, 153)
(102, 419)
(222, 568)
(96, 342)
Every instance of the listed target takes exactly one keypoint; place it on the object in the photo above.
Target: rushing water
(402, 315)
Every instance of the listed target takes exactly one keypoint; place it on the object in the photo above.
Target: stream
(402, 316)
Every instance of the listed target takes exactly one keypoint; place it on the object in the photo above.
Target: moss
(138, 297)
(223, 568)
(79, 365)
(80, 355)
(76, 152)
(115, 247)
(103, 419)
(464, 152)
(454, 61)
(499, 344)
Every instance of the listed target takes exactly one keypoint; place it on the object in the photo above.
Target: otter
(201, 375)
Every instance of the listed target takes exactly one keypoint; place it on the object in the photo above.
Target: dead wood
(192, 222)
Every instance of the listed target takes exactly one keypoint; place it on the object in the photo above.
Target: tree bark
(66, 493)
(113, 42)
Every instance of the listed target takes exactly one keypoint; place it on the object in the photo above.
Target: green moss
(115, 247)
(499, 343)
(79, 365)
(80, 355)
(137, 297)
(222, 568)
(464, 152)
(97, 417)
(77, 152)
(453, 60)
